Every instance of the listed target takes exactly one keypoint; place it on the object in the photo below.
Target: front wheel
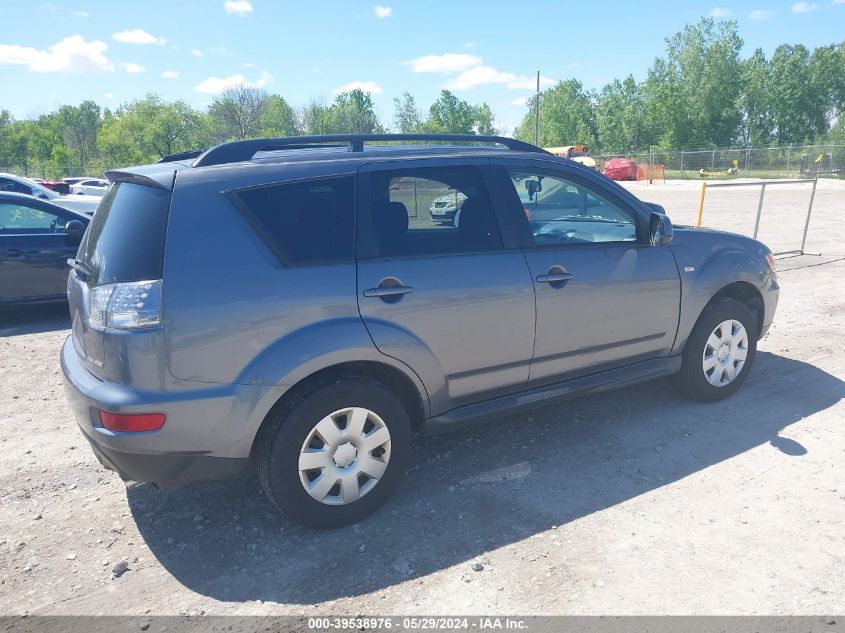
(336, 452)
(719, 352)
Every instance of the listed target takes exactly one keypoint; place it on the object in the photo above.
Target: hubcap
(725, 353)
(344, 456)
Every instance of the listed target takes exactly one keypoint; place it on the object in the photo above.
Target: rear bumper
(168, 468)
(195, 420)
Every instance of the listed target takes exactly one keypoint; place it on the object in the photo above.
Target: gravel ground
(638, 502)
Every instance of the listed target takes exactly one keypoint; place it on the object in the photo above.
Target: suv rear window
(305, 222)
(125, 241)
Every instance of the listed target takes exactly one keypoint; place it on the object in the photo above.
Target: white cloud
(138, 36)
(487, 75)
(804, 7)
(448, 63)
(720, 12)
(521, 101)
(170, 74)
(197, 52)
(70, 55)
(760, 14)
(471, 72)
(238, 7)
(366, 86)
(81, 14)
(382, 12)
(216, 85)
(132, 68)
(473, 44)
(109, 95)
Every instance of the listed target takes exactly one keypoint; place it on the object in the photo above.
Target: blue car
(37, 238)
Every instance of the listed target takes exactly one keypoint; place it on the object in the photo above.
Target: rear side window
(306, 222)
(125, 240)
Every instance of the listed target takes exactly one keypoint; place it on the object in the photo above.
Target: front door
(34, 249)
(440, 291)
(605, 296)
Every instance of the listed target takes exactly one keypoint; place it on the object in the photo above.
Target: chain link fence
(792, 161)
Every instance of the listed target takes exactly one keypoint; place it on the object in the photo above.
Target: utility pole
(537, 112)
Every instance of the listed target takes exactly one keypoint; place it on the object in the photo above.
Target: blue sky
(113, 51)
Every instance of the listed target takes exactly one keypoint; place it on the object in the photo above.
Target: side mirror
(75, 228)
(43, 196)
(660, 229)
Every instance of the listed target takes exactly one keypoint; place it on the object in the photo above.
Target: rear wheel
(336, 452)
(720, 352)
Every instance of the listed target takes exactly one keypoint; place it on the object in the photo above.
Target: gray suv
(289, 304)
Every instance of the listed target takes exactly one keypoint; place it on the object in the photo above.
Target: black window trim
(562, 171)
(271, 242)
(366, 247)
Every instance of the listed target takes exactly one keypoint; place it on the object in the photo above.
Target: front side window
(560, 211)
(10, 185)
(432, 211)
(18, 218)
(305, 222)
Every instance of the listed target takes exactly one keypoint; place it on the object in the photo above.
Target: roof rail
(172, 158)
(238, 151)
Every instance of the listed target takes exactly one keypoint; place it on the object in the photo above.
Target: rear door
(605, 296)
(456, 304)
(34, 249)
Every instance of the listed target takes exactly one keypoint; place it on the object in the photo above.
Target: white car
(92, 187)
(84, 204)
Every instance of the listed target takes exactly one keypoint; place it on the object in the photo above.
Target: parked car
(72, 180)
(59, 186)
(17, 184)
(36, 239)
(257, 305)
(92, 187)
(444, 208)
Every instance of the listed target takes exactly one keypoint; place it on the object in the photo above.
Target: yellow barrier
(701, 203)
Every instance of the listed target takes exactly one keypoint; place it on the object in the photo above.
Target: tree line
(700, 94)
(703, 94)
(89, 139)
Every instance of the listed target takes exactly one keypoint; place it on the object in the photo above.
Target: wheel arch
(392, 377)
(746, 293)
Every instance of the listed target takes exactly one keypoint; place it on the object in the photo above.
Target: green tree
(406, 116)
(80, 125)
(353, 113)
(278, 118)
(237, 112)
(451, 115)
(566, 116)
(692, 95)
(756, 127)
(484, 120)
(797, 109)
(619, 116)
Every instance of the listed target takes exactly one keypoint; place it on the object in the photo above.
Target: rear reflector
(131, 422)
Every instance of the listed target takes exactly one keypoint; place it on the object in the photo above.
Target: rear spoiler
(157, 177)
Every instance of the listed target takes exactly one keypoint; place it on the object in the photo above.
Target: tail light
(132, 422)
(127, 306)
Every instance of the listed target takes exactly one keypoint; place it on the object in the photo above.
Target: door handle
(387, 291)
(556, 274)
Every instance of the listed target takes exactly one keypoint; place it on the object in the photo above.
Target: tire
(695, 380)
(283, 438)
